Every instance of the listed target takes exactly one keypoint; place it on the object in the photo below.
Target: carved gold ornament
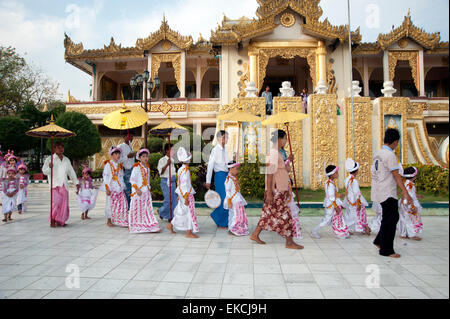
(363, 136)
(264, 54)
(287, 20)
(402, 43)
(324, 140)
(174, 58)
(395, 106)
(412, 57)
(166, 45)
(293, 104)
(165, 108)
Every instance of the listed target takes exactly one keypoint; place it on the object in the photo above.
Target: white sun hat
(212, 199)
(351, 166)
(183, 155)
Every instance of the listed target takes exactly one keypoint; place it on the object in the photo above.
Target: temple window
(436, 82)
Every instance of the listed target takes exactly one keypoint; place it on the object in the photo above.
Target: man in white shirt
(166, 212)
(127, 160)
(385, 180)
(61, 168)
(218, 163)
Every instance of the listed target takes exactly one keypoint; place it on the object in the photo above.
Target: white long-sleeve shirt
(354, 192)
(108, 180)
(139, 175)
(61, 169)
(126, 150)
(233, 193)
(163, 162)
(331, 195)
(184, 182)
(218, 161)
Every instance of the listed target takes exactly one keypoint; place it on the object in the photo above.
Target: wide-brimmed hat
(212, 199)
(351, 166)
(114, 149)
(183, 155)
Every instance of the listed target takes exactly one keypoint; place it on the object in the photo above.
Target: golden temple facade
(288, 41)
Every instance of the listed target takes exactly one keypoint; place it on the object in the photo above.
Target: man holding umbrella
(127, 160)
(61, 168)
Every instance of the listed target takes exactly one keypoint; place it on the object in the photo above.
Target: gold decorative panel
(293, 104)
(264, 54)
(412, 57)
(174, 58)
(363, 136)
(107, 142)
(166, 108)
(395, 106)
(324, 141)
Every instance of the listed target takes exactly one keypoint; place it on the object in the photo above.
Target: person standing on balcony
(127, 160)
(269, 100)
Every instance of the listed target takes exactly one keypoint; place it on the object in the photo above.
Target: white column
(366, 78)
(183, 75)
(198, 80)
(198, 128)
(386, 66)
(224, 75)
(421, 74)
(253, 69)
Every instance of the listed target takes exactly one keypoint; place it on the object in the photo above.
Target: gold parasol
(125, 118)
(50, 131)
(239, 116)
(167, 128)
(285, 117)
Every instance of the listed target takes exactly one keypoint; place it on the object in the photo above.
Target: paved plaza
(37, 261)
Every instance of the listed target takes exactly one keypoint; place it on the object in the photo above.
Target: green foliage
(198, 177)
(153, 161)
(12, 134)
(98, 173)
(86, 143)
(155, 185)
(432, 179)
(252, 181)
(155, 144)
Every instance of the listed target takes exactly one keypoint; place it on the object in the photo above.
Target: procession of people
(126, 182)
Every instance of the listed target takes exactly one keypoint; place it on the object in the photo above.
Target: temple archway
(376, 83)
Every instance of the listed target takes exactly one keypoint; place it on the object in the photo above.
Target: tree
(87, 141)
(12, 135)
(21, 83)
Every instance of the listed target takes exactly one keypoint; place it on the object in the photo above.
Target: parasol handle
(293, 166)
(51, 179)
(170, 180)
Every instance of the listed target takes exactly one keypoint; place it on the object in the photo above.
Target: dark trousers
(386, 235)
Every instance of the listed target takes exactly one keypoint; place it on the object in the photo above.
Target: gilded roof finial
(409, 13)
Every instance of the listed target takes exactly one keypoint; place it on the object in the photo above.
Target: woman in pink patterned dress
(116, 209)
(141, 218)
(276, 215)
(235, 203)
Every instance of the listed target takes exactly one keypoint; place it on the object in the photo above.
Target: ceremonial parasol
(50, 131)
(125, 118)
(239, 116)
(285, 117)
(167, 128)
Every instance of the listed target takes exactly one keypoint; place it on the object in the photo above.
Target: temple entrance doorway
(295, 70)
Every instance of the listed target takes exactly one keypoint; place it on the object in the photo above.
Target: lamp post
(145, 82)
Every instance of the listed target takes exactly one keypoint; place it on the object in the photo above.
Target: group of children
(13, 185)
(355, 219)
(139, 217)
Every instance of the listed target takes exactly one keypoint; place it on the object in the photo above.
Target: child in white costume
(141, 218)
(86, 193)
(235, 203)
(333, 207)
(410, 224)
(116, 209)
(355, 203)
(10, 189)
(23, 189)
(184, 215)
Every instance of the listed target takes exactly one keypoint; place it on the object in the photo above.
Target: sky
(36, 28)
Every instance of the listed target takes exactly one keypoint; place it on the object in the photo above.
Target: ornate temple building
(402, 82)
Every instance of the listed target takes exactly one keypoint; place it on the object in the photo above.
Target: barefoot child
(235, 203)
(333, 206)
(141, 218)
(184, 215)
(355, 203)
(410, 224)
(116, 209)
(86, 193)
(23, 189)
(10, 189)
